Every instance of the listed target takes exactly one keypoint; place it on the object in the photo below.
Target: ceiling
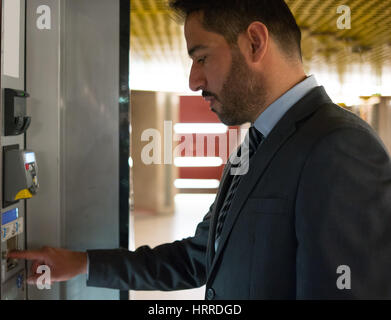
(157, 39)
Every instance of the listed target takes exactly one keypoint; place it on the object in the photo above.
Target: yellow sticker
(23, 194)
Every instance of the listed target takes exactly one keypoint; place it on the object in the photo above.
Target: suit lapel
(260, 161)
(262, 158)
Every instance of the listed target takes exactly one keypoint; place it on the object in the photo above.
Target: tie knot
(252, 140)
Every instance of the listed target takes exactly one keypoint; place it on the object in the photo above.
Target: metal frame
(124, 138)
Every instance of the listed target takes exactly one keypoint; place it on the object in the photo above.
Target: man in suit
(311, 219)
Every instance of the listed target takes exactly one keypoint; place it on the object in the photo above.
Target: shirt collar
(270, 117)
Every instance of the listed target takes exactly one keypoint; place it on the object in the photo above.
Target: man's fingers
(27, 254)
(35, 265)
(33, 279)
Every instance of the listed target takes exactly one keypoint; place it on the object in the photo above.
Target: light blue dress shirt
(270, 117)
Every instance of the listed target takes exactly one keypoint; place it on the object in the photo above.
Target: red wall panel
(201, 173)
(194, 109)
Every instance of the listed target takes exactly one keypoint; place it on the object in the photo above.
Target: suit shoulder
(331, 117)
(344, 130)
(340, 117)
(331, 123)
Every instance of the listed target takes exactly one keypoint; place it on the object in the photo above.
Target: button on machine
(19, 281)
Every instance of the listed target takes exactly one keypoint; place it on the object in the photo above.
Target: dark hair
(232, 17)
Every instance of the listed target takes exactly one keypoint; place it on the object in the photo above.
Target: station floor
(152, 231)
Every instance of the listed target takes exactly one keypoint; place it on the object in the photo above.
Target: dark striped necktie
(255, 138)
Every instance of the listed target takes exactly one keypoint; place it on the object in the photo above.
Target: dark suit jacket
(317, 196)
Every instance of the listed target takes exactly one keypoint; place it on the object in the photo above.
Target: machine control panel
(20, 176)
(12, 238)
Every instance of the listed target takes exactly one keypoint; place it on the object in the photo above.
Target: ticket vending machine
(20, 182)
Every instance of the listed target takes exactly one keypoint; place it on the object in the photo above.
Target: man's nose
(197, 80)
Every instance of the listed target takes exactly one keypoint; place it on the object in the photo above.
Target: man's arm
(173, 266)
(343, 215)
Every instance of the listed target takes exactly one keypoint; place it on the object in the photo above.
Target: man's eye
(201, 60)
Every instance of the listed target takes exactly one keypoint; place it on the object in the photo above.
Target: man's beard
(242, 94)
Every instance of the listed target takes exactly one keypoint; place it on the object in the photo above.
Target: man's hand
(63, 264)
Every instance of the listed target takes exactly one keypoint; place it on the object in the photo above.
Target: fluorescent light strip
(198, 162)
(196, 183)
(200, 128)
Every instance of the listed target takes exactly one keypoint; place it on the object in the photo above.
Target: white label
(11, 229)
(11, 37)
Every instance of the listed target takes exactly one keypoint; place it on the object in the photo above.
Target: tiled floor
(152, 231)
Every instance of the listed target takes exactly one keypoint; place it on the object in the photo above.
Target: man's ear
(258, 36)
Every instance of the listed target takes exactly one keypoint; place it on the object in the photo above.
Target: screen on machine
(29, 157)
(9, 216)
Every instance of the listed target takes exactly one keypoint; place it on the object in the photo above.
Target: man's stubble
(242, 94)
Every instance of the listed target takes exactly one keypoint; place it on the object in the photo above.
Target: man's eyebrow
(196, 48)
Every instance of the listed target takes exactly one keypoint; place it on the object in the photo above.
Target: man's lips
(207, 95)
(209, 98)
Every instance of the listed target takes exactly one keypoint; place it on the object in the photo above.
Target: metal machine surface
(75, 133)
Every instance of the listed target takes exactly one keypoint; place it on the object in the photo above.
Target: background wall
(153, 183)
